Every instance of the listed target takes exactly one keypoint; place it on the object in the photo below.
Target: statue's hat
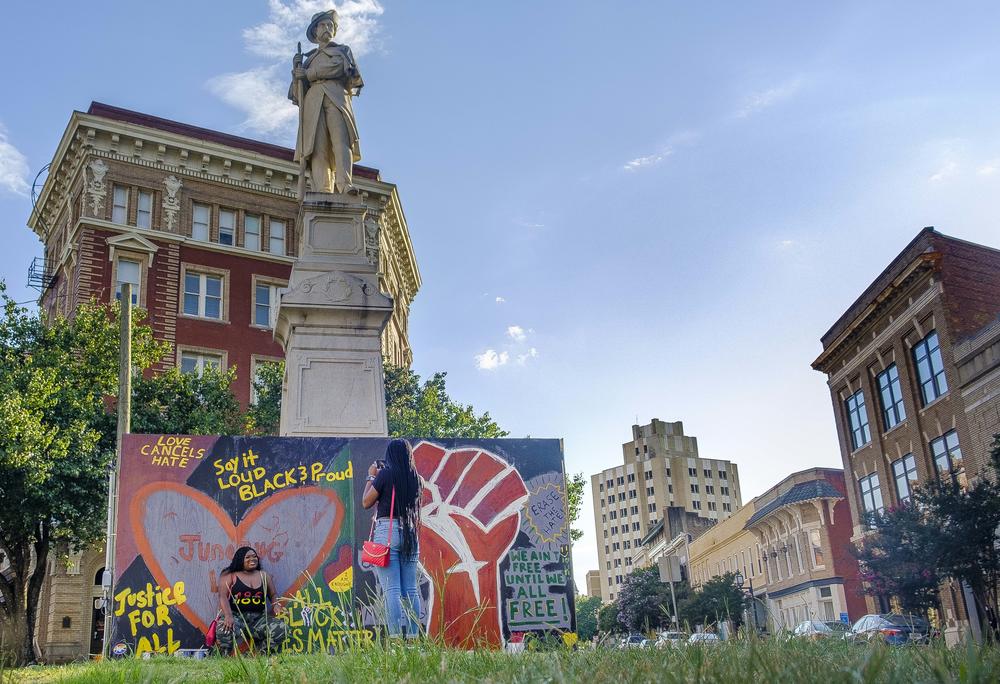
(318, 17)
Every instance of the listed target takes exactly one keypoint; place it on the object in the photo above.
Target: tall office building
(661, 468)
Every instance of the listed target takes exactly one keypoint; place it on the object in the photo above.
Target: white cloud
(523, 358)
(261, 93)
(786, 244)
(647, 161)
(757, 102)
(13, 167)
(528, 224)
(947, 170)
(491, 360)
(989, 168)
(287, 20)
(683, 138)
(516, 333)
(500, 300)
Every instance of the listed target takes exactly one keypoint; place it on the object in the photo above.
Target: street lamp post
(738, 581)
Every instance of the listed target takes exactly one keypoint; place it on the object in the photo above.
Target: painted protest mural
(495, 555)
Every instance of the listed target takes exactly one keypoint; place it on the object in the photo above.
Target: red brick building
(913, 368)
(202, 224)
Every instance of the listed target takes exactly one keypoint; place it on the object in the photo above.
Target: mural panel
(495, 554)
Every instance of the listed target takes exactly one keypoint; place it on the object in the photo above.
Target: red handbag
(210, 634)
(372, 552)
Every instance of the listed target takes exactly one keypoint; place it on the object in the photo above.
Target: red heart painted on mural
(184, 536)
(470, 515)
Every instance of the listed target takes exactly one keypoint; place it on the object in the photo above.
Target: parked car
(812, 629)
(668, 639)
(634, 641)
(892, 628)
(816, 629)
(703, 638)
(839, 629)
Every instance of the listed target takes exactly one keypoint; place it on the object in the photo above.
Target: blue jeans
(399, 583)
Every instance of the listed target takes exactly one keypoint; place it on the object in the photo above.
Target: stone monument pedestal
(330, 323)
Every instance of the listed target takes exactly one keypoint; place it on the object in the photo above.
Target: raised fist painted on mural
(470, 517)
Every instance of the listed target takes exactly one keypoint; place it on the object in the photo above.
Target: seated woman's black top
(244, 599)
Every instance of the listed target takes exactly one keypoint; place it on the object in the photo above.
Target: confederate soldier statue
(323, 82)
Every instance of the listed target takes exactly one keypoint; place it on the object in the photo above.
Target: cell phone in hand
(380, 464)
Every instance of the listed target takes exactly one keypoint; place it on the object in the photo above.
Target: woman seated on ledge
(248, 607)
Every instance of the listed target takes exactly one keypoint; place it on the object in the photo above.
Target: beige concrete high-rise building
(661, 468)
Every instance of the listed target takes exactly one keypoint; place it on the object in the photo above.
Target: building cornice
(88, 136)
(921, 265)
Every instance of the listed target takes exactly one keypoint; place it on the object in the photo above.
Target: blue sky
(620, 210)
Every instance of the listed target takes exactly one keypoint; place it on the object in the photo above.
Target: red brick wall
(236, 337)
(844, 563)
(971, 276)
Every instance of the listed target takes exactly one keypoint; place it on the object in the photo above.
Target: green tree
(574, 500)
(416, 409)
(186, 403)
(963, 532)
(897, 559)
(264, 415)
(586, 616)
(716, 600)
(607, 618)
(644, 602)
(57, 437)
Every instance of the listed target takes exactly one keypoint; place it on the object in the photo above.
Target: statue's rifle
(300, 93)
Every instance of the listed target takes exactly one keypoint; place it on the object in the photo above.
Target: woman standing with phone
(395, 487)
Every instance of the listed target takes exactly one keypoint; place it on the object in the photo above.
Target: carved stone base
(330, 324)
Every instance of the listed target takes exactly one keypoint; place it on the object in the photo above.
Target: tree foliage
(716, 600)
(586, 616)
(574, 501)
(264, 415)
(56, 439)
(894, 560)
(187, 403)
(607, 618)
(424, 409)
(644, 601)
(951, 531)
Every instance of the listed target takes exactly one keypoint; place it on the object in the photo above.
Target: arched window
(99, 577)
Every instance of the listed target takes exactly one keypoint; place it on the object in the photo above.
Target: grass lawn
(753, 661)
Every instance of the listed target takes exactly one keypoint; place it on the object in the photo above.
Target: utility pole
(124, 422)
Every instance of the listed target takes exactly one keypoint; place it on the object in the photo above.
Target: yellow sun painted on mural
(342, 582)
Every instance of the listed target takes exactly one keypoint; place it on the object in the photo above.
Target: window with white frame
(251, 232)
(276, 243)
(930, 367)
(144, 210)
(947, 453)
(871, 495)
(857, 415)
(817, 548)
(893, 410)
(227, 227)
(203, 295)
(200, 218)
(266, 298)
(196, 361)
(904, 471)
(119, 204)
(128, 271)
